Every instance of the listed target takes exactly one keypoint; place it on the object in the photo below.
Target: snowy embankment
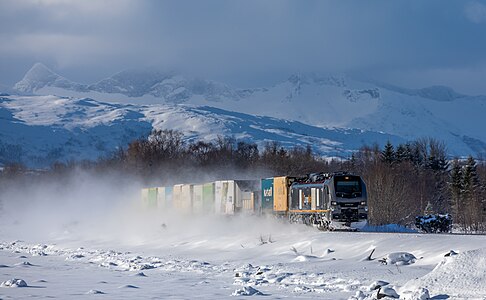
(137, 257)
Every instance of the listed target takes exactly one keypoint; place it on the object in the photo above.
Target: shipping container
(267, 195)
(197, 199)
(152, 198)
(177, 197)
(161, 203)
(145, 193)
(280, 197)
(186, 201)
(168, 197)
(224, 196)
(245, 195)
(208, 198)
(230, 195)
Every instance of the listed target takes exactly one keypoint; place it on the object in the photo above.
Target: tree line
(403, 181)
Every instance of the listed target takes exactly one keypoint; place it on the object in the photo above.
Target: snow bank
(14, 283)
(462, 275)
(399, 259)
(247, 291)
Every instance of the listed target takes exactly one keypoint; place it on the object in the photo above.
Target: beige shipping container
(281, 196)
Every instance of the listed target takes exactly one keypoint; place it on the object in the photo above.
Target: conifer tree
(388, 153)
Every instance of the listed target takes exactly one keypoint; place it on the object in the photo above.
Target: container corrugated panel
(177, 197)
(144, 195)
(280, 188)
(267, 195)
(152, 197)
(187, 191)
(208, 197)
(161, 198)
(197, 199)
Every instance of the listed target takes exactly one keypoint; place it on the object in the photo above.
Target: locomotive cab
(348, 200)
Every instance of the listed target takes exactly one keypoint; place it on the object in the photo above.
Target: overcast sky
(250, 43)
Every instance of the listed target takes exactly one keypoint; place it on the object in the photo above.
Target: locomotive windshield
(347, 186)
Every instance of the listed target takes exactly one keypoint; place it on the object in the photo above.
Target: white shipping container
(197, 199)
(224, 197)
(186, 200)
(145, 197)
(177, 197)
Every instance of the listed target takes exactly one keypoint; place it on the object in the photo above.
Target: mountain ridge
(322, 101)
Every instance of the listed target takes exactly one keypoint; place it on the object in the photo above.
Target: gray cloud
(415, 43)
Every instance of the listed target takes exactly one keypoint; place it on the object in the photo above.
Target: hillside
(38, 130)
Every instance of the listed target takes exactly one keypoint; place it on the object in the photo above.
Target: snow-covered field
(200, 258)
(64, 244)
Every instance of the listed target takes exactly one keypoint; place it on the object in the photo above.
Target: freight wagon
(328, 201)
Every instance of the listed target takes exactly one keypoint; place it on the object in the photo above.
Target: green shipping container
(152, 198)
(208, 198)
(267, 195)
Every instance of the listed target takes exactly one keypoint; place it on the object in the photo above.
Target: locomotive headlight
(362, 203)
(333, 203)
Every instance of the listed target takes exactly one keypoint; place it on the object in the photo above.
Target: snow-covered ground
(134, 254)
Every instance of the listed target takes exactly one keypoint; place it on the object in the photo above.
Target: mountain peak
(40, 76)
(37, 77)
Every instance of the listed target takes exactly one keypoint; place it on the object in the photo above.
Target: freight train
(325, 200)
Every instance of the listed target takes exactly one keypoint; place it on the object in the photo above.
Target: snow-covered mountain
(316, 108)
(39, 130)
(167, 86)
